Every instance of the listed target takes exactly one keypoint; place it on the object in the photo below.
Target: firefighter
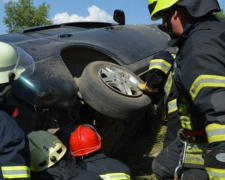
(14, 147)
(159, 79)
(199, 75)
(51, 160)
(85, 142)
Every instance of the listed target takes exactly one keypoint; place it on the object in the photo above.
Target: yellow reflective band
(115, 176)
(160, 64)
(203, 81)
(168, 85)
(194, 159)
(197, 148)
(172, 106)
(217, 174)
(14, 172)
(215, 132)
(186, 122)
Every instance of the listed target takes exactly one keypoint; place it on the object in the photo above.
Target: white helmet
(45, 150)
(11, 58)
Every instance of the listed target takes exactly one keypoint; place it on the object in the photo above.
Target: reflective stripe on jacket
(117, 176)
(194, 155)
(160, 64)
(15, 172)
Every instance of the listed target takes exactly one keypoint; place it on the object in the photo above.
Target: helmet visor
(25, 64)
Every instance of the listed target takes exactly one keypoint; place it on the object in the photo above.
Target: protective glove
(145, 88)
(214, 162)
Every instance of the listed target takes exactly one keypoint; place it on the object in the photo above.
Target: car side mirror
(119, 16)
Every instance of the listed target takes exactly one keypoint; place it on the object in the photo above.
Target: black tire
(108, 101)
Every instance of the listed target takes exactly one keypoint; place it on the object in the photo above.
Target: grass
(139, 152)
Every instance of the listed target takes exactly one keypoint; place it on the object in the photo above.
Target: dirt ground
(139, 152)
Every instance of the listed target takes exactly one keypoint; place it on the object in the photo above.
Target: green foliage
(22, 14)
(221, 14)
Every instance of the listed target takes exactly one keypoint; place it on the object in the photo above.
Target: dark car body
(62, 51)
(57, 49)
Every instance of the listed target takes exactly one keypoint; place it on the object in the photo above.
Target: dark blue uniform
(106, 167)
(65, 169)
(14, 149)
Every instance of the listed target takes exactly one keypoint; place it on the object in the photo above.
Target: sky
(61, 11)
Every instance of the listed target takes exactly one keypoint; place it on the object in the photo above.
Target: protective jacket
(106, 167)
(200, 79)
(65, 169)
(159, 77)
(14, 150)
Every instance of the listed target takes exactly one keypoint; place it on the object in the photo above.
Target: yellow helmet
(45, 150)
(160, 6)
(151, 5)
(197, 8)
(13, 62)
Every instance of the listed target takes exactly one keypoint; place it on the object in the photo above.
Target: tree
(221, 14)
(22, 14)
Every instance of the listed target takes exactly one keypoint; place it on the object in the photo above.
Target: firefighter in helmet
(14, 148)
(199, 76)
(51, 160)
(159, 80)
(85, 142)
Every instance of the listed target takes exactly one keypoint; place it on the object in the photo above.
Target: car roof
(136, 41)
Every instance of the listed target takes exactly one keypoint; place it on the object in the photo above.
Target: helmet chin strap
(4, 88)
(12, 76)
(169, 28)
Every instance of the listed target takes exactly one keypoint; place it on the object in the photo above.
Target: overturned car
(86, 72)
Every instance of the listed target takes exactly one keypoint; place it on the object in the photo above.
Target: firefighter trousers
(164, 165)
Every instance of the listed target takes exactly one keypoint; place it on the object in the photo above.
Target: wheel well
(80, 57)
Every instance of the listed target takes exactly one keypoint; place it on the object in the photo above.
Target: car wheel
(112, 91)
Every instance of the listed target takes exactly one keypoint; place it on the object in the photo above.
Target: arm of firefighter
(14, 148)
(160, 66)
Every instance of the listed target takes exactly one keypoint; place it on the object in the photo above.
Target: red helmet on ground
(84, 140)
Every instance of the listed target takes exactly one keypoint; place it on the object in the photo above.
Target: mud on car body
(86, 72)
